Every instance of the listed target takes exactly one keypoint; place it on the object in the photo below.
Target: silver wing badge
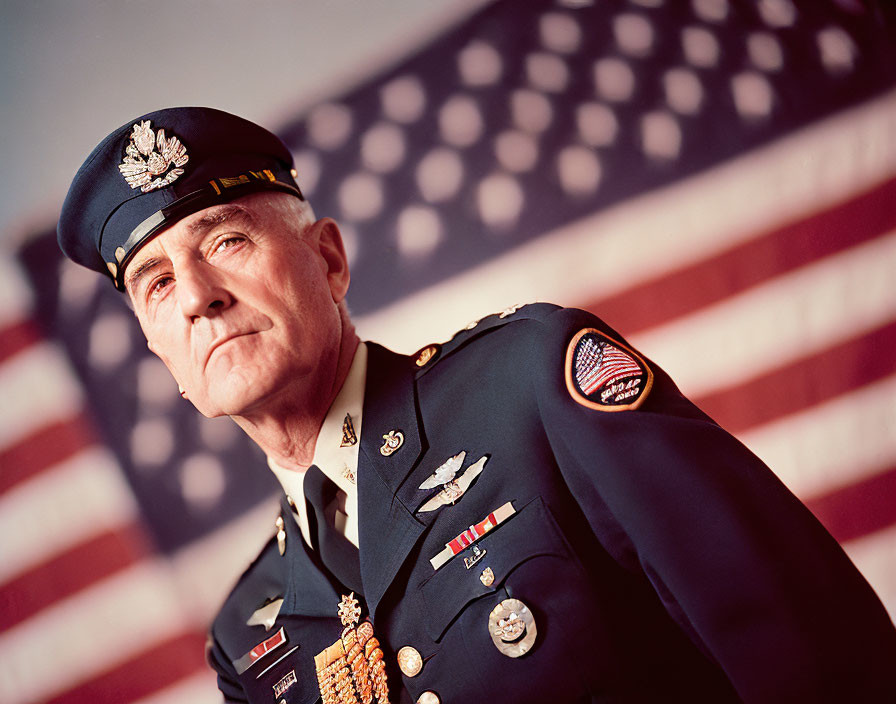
(445, 472)
(452, 488)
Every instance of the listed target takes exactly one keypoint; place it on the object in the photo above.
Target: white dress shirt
(338, 462)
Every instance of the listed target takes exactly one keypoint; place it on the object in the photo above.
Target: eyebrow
(133, 278)
(218, 217)
(222, 214)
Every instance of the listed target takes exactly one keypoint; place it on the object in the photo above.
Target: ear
(325, 234)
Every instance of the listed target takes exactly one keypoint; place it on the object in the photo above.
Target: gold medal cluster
(352, 671)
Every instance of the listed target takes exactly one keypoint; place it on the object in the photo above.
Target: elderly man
(530, 512)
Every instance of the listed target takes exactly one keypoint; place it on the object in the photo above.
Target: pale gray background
(71, 71)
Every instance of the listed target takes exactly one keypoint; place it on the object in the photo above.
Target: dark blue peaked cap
(159, 168)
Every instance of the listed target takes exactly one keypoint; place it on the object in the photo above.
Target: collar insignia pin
(281, 534)
(142, 162)
(391, 442)
(348, 432)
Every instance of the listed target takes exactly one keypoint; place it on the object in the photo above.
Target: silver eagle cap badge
(149, 156)
(452, 489)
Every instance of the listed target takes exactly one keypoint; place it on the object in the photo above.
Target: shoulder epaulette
(426, 358)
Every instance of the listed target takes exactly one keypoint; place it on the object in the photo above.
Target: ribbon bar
(472, 534)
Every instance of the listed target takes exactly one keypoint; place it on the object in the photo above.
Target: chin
(239, 392)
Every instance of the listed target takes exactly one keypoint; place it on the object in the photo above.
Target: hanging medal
(352, 671)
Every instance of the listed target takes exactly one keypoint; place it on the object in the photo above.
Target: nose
(200, 291)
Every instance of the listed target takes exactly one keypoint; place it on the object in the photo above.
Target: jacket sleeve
(737, 560)
(227, 679)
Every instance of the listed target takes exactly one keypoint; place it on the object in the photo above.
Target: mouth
(219, 342)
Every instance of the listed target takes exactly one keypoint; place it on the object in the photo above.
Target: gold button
(428, 697)
(426, 354)
(409, 661)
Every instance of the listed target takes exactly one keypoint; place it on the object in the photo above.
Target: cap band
(219, 190)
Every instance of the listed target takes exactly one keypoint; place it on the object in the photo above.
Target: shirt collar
(337, 459)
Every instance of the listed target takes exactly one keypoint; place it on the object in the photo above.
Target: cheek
(162, 343)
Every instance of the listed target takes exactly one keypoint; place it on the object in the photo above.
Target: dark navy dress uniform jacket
(661, 560)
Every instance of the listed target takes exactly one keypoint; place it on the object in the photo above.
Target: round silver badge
(512, 628)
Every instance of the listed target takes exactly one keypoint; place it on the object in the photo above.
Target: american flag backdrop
(714, 178)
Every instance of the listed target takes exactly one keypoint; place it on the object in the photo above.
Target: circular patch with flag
(604, 374)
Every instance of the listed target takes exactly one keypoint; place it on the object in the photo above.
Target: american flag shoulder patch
(604, 374)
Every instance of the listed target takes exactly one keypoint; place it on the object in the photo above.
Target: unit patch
(604, 374)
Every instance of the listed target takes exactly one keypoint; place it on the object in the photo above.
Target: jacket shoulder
(533, 328)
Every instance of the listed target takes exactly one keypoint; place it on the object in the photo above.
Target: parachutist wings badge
(445, 471)
(147, 169)
(453, 489)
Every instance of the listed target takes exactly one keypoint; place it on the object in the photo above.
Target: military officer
(530, 512)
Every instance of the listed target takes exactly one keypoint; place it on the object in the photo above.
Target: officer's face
(240, 302)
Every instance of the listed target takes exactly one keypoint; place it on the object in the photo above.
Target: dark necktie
(337, 553)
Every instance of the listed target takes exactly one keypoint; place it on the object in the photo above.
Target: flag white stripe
(833, 444)
(41, 382)
(207, 569)
(780, 321)
(80, 637)
(687, 222)
(15, 293)
(61, 507)
(199, 689)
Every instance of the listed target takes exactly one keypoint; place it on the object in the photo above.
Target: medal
(352, 671)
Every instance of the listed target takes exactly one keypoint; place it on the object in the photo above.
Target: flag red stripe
(688, 289)
(804, 383)
(149, 671)
(71, 571)
(17, 337)
(44, 448)
(859, 509)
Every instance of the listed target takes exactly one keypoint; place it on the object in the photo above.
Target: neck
(287, 430)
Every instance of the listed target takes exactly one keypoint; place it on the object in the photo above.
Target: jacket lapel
(387, 529)
(308, 592)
